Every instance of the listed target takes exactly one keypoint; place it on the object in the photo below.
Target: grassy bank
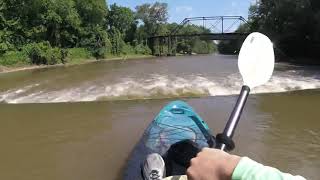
(17, 61)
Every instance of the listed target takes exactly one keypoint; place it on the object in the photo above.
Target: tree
(233, 46)
(42, 20)
(193, 44)
(93, 15)
(44, 30)
(4, 33)
(153, 16)
(96, 41)
(289, 24)
(116, 41)
(11, 15)
(92, 12)
(141, 34)
(131, 34)
(62, 23)
(121, 18)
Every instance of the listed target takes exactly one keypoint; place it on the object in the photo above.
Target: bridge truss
(214, 28)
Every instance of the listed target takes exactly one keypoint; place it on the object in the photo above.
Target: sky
(180, 9)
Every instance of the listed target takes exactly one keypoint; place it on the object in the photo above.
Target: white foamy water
(156, 87)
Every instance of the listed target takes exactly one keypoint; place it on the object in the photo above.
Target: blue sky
(180, 9)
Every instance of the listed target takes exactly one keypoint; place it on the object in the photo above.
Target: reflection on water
(93, 140)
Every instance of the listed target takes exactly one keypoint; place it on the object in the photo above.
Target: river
(81, 122)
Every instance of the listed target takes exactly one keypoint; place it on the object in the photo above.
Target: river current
(81, 122)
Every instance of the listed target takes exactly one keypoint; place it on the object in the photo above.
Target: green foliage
(229, 47)
(294, 26)
(127, 49)
(123, 19)
(41, 20)
(141, 34)
(43, 53)
(95, 39)
(117, 42)
(92, 12)
(11, 58)
(120, 18)
(93, 35)
(4, 47)
(131, 34)
(36, 52)
(62, 23)
(78, 53)
(142, 49)
(152, 15)
(184, 47)
(192, 44)
(233, 46)
(50, 31)
(203, 47)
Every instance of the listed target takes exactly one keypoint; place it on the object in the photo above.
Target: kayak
(177, 133)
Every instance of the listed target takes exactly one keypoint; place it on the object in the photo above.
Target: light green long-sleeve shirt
(248, 169)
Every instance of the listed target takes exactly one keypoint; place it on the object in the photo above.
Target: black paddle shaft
(234, 117)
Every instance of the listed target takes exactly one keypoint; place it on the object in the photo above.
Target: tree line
(293, 26)
(48, 31)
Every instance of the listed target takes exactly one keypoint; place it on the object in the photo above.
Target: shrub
(43, 53)
(203, 47)
(36, 52)
(3, 48)
(78, 53)
(5, 44)
(142, 49)
(11, 58)
(54, 56)
(117, 43)
(127, 49)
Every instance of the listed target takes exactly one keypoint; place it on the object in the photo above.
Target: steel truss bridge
(214, 28)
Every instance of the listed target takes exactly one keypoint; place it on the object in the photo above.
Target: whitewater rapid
(157, 86)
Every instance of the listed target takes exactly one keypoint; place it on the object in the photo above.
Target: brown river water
(81, 122)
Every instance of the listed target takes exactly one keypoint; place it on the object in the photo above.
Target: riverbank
(71, 62)
(300, 61)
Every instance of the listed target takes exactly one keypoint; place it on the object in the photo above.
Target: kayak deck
(176, 122)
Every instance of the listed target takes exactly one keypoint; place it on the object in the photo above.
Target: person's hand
(212, 164)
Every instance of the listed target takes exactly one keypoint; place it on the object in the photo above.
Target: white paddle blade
(256, 60)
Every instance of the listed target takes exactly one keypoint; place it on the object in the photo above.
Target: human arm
(213, 164)
(251, 170)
